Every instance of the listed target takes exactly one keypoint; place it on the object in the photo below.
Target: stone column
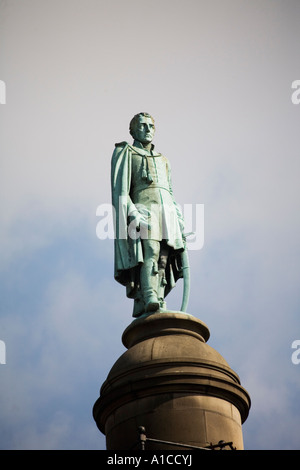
(174, 384)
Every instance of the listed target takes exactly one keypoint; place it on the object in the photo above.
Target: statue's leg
(149, 274)
(162, 263)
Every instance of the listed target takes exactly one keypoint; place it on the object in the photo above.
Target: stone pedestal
(174, 384)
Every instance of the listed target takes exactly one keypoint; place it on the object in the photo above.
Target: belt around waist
(151, 186)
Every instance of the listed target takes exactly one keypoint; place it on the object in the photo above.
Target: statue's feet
(152, 304)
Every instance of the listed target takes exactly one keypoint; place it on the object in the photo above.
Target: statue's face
(144, 130)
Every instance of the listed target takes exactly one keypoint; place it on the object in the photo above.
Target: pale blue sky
(216, 76)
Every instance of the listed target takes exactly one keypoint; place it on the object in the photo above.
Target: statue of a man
(148, 223)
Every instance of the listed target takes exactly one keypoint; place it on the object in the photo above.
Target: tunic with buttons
(154, 192)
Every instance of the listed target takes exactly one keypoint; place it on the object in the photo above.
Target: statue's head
(142, 128)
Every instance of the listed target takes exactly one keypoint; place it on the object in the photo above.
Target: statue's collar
(142, 150)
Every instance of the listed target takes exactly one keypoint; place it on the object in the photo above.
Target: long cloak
(128, 250)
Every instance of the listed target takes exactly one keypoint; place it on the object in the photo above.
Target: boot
(161, 288)
(149, 286)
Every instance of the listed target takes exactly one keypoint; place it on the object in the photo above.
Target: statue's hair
(134, 121)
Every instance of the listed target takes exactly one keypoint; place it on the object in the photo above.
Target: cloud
(56, 361)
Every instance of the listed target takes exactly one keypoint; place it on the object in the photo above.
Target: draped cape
(128, 250)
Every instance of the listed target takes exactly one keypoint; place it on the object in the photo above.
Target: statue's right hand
(144, 224)
(144, 212)
(141, 221)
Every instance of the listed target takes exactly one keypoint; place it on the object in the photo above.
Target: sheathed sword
(185, 266)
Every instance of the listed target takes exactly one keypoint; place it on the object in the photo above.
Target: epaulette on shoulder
(121, 144)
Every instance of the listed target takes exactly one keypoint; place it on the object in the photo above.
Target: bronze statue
(150, 251)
